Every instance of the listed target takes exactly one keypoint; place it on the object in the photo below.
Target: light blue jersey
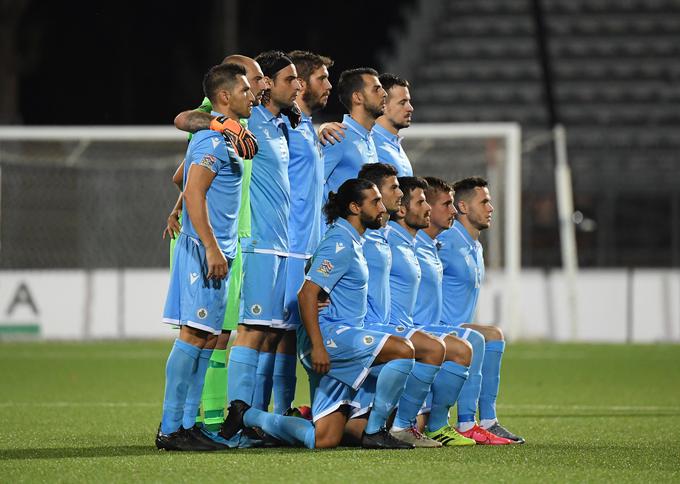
(404, 275)
(305, 174)
(209, 150)
(343, 160)
(269, 186)
(390, 150)
(463, 264)
(429, 301)
(379, 259)
(340, 269)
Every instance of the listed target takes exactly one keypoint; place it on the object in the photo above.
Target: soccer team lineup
(321, 246)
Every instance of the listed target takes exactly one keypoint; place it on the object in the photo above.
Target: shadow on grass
(131, 450)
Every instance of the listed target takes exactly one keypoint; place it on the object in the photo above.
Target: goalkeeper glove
(294, 115)
(240, 138)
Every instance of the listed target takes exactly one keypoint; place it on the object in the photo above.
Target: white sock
(465, 426)
(487, 422)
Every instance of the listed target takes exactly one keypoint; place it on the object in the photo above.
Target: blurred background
(88, 94)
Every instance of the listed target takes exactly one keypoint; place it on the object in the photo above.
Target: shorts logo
(325, 268)
(202, 313)
(339, 246)
(368, 340)
(193, 277)
(215, 142)
(256, 309)
(331, 344)
(400, 329)
(208, 161)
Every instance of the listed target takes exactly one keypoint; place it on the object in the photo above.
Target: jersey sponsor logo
(202, 313)
(339, 246)
(325, 268)
(331, 344)
(368, 340)
(256, 309)
(208, 161)
(193, 277)
(215, 142)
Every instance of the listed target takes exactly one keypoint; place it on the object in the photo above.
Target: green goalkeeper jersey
(244, 212)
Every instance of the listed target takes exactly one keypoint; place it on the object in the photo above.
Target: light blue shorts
(263, 290)
(192, 299)
(351, 349)
(395, 329)
(330, 395)
(295, 277)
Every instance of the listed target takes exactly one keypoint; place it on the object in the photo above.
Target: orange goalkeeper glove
(241, 139)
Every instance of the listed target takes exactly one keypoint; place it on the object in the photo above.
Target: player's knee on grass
(354, 429)
(428, 349)
(395, 348)
(458, 350)
(328, 430)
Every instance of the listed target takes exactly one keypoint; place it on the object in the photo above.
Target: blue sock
(242, 373)
(195, 391)
(388, 390)
(417, 387)
(263, 384)
(293, 430)
(469, 395)
(491, 379)
(445, 390)
(179, 368)
(284, 382)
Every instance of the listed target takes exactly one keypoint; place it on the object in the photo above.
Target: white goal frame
(510, 133)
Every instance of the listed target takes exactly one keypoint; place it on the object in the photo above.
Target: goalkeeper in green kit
(215, 388)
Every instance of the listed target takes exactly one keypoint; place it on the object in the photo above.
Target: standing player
(362, 95)
(398, 112)
(215, 389)
(335, 344)
(198, 287)
(276, 366)
(463, 265)
(265, 252)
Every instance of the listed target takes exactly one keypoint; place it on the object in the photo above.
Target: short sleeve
(328, 266)
(211, 153)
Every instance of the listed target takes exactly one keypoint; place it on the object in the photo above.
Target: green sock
(215, 390)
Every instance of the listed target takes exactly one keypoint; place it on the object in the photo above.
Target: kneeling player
(198, 286)
(336, 345)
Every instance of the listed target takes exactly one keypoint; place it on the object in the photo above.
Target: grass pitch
(88, 412)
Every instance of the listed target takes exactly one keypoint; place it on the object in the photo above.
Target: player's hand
(173, 227)
(321, 305)
(331, 133)
(217, 263)
(321, 362)
(243, 141)
(294, 115)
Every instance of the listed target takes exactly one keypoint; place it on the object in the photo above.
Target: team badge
(400, 329)
(368, 340)
(208, 161)
(325, 268)
(202, 313)
(256, 309)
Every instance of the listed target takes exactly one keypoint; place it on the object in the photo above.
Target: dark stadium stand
(616, 67)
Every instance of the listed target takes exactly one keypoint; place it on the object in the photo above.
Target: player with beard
(398, 112)
(277, 365)
(265, 251)
(463, 272)
(364, 98)
(335, 343)
(215, 389)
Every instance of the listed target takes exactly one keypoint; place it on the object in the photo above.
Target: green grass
(88, 412)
